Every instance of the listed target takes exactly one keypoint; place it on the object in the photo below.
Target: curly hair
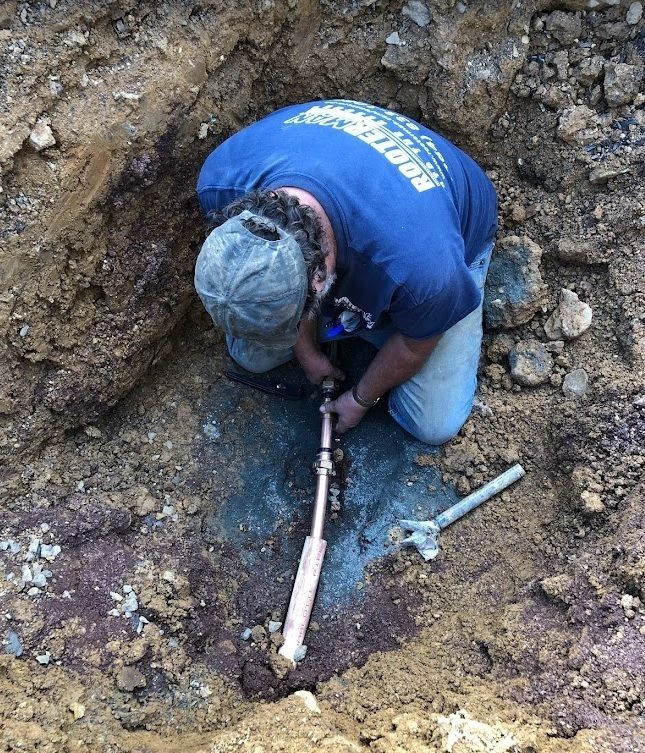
(285, 211)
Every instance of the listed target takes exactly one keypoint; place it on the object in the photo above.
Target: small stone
(634, 14)
(394, 39)
(300, 653)
(130, 603)
(627, 601)
(41, 137)
(555, 346)
(14, 646)
(24, 330)
(309, 700)
(604, 173)
(77, 709)
(258, 634)
(245, 634)
(565, 27)
(417, 11)
(531, 364)
(570, 319)
(575, 383)
(622, 83)
(130, 679)
(515, 291)
(49, 551)
(43, 659)
(274, 626)
(577, 125)
(592, 503)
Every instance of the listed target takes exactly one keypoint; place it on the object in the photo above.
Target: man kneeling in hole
(338, 219)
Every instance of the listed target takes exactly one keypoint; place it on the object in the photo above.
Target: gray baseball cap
(253, 288)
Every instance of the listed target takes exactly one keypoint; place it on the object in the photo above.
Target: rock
(417, 11)
(592, 503)
(627, 601)
(578, 126)
(309, 700)
(570, 319)
(77, 709)
(300, 653)
(571, 251)
(622, 83)
(130, 679)
(555, 346)
(531, 364)
(245, 634)
(43, 659)
(49, 552)
(634, 14)
(589, 70)
(13, 644)
(498, 350)
(274, 626)
(258, 634)
(514, 287)
(575, 383)
(603, 173)
(394, 39)
(41, 136)
(461, 733)
(565, 27)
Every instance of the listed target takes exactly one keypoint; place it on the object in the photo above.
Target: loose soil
(123, 444)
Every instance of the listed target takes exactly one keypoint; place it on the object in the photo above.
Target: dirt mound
(123, 612)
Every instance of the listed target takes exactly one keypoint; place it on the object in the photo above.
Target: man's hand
(349, 411)
(317, 366)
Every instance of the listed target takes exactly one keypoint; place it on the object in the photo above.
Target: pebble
(129, 679)
(49, 551)
(41, 137)
(77, 709)
(43, 659)
(300, 653)
(417, 11)
(274, 626)
(575, 383)
(309, 699)
(634, 14)
(627, 601)
(531, 364)
(570, 319)
(24, 330)
(245, 634)
(14, 646)
(622, 83)
(394, 39)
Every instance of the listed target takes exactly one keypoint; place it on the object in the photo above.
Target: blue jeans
(432, 405)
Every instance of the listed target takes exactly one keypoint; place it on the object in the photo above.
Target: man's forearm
(396, 362)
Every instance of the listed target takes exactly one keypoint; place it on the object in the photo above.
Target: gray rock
(531, 364)
(300, 653)
(575, 383)
(394, 39)
(274, 626)
(41, 137)
(565, 27)
(245, 634)
(589, 70)
(417, 11)
(14, 646)
(622, 83)
(603, 173)
(578, 125)
(43, 659)
(634, 14)
(49, 551)
(570, 319)
(514, 287)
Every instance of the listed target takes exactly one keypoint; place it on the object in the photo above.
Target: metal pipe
(481, 495)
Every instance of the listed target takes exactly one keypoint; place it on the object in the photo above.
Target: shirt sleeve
(421, 317)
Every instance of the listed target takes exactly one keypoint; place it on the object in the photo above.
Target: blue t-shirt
(409, 210)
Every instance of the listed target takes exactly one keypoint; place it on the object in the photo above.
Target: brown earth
(528, 633)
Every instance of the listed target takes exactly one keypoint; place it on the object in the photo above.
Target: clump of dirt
(125, 617)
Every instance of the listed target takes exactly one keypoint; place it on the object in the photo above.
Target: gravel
(575, 383)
